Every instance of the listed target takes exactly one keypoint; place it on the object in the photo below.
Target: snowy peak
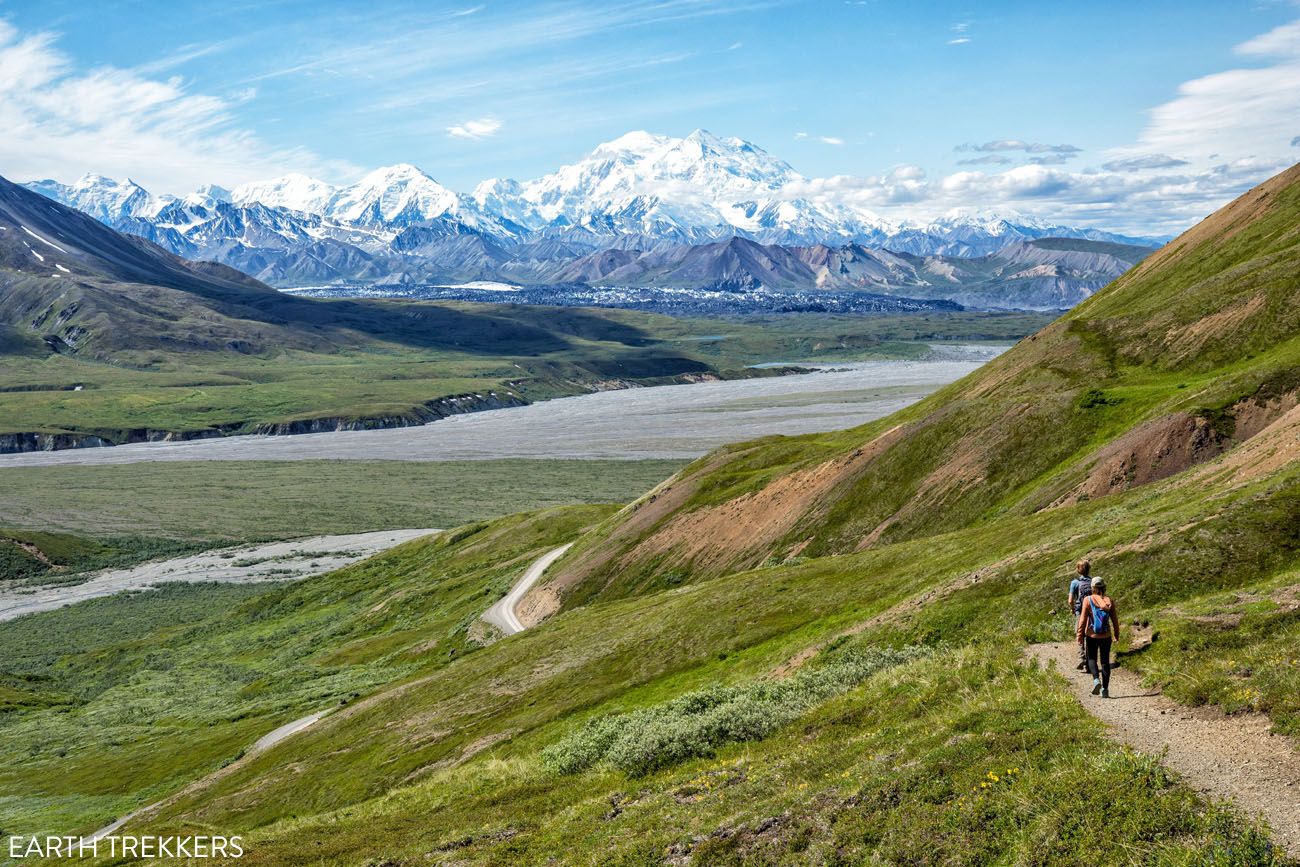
(103, 198)
(399, 195)
(641, 191)
(294, 191)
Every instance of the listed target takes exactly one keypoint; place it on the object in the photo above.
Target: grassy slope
(428, 750)
(1207, 326)
(134, 709)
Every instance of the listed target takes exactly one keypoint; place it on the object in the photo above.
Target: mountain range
(641, 200)
(835, 648)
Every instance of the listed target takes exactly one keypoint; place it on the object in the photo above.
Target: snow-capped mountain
(640, 195)
(294, 191)
(697, 188)
(103, 198)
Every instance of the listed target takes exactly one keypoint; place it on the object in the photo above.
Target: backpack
(1082, 590)
(1100, 619)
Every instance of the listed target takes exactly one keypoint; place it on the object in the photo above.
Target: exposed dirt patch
(1253, 416)
(1153, 451)
(742, 532)
(537, 605)
(632, 522)
(1169, 445)
(1234, 757)
(1264, 454)
(34, 551)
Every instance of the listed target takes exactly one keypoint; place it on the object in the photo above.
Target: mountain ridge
(638, 191)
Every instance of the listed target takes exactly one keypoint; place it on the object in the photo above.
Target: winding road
(502, 615)
(266, 741)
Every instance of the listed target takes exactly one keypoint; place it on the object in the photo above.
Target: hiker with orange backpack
(1098, 626)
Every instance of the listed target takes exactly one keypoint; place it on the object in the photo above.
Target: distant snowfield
(482, 286)
(674, 421)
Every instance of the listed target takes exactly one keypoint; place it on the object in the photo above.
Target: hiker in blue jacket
(1098, 627)
(1080, 587)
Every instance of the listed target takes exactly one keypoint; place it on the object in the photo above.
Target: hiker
(1080, 587)
(1098, 626)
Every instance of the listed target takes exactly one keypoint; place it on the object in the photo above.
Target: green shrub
(698, 723)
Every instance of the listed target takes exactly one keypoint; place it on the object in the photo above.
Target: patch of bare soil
(742, 532)
(34, 551)
(1224, 757)
(1169, 445)
(632, 522)
(1150, 452)
(537, 605)
(1264, 454)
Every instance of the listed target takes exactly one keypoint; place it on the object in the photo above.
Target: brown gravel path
(1224, 757)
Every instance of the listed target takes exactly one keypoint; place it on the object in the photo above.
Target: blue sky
(175, 94)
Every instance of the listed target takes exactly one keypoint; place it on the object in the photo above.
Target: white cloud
(60, 122)
(484, 127)
(959, 40)
(830, 140)
(1015, 144)
(1246, 111)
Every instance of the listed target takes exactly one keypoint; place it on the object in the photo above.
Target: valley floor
(276, 561)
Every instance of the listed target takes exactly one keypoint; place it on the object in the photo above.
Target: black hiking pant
(1096, 652)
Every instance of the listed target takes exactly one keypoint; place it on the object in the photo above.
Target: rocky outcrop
(426, 412)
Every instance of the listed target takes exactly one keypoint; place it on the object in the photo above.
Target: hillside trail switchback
(1222, 757)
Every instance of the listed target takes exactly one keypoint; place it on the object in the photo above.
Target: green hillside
(1186, 356)
(806, 650)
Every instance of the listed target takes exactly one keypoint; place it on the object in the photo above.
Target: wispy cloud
(824, 139)
(1246, 111)
(183, 55)
(60, 122)
(1137, 164)
(484, 127)
(473, 10)
(986, 160)
(961, 33)
(1015, 144)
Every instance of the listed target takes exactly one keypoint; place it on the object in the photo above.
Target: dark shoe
(1096, 687)
(1083, 666)
(1105, 693)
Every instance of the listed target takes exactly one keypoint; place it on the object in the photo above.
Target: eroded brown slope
(1186, 357)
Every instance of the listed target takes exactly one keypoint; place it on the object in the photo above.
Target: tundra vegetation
(797, 650)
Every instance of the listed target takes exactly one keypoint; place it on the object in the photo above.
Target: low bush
(698, 723)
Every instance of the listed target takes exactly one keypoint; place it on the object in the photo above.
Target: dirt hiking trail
(1222, 757)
